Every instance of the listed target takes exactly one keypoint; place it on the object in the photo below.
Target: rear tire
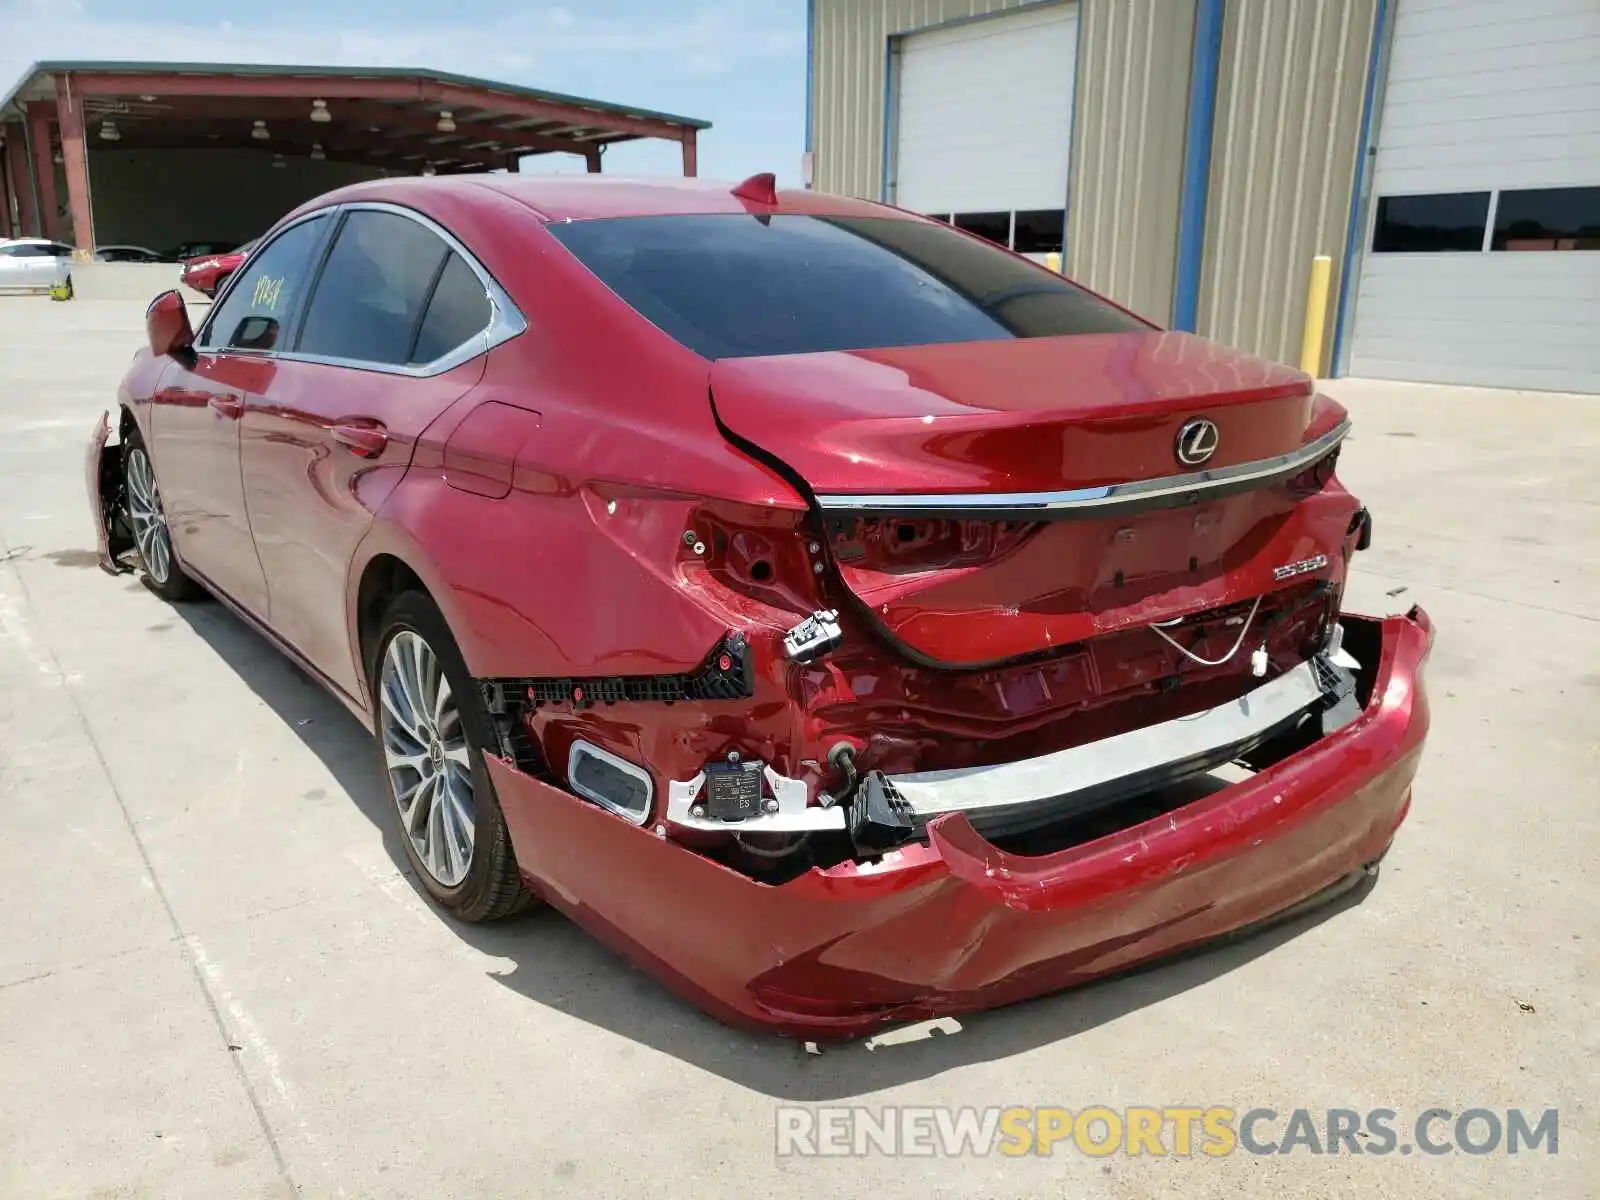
(430, 724)
(151, 536)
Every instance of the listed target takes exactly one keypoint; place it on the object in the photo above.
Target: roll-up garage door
(982, 126)
(1482, 259)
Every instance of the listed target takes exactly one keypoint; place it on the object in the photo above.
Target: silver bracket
(816, 635)
(794, 815)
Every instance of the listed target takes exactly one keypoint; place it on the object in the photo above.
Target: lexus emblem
(1197, 441)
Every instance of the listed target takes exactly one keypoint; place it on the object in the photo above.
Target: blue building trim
(811, 67)
(888, 117)
(1354, 227)
(1206, 56)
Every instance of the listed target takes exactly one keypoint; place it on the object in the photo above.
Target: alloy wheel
(425, 750)
(149, 519)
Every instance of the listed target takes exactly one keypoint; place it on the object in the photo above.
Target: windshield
(734, 285)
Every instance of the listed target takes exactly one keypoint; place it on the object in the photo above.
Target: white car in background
(33, 263)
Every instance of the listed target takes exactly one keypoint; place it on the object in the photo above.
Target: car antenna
(759, 189)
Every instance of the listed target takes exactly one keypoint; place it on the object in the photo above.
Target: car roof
(580, 197)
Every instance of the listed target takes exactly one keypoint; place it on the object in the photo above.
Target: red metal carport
(395, 119)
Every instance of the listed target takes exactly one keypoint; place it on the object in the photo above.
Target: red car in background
(207, 273)
(848, 620)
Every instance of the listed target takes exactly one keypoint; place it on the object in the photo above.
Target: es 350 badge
(1303, 567)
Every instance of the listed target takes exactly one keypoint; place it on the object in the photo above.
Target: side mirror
(166, 323)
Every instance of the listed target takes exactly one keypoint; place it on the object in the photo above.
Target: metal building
(156, 154)
(1191, 157)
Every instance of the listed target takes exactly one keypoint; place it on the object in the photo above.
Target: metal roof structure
(403, 119)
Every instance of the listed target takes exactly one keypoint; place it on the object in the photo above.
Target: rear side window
(459, 309)
(373, 289)
(731, 285)
(259, 307)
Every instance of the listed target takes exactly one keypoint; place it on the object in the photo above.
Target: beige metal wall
(1127, 149)
(1127, 136)
(848, 50)
(1283, 159)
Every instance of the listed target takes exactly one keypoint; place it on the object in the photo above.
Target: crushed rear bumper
(957, 923)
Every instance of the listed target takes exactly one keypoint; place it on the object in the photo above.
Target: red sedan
(208, 272)
(844, 618)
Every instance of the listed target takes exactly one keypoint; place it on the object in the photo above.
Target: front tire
(151, 535)
(429, 723)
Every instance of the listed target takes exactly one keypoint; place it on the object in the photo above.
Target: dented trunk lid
(989, 500)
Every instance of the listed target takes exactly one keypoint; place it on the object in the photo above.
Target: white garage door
(983, 124)
(1483, 257)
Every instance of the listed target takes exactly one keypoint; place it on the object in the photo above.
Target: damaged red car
(845, 619)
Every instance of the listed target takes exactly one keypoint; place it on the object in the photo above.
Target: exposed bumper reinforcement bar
(1006, 797)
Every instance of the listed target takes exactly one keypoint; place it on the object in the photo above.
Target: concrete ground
(215, 981)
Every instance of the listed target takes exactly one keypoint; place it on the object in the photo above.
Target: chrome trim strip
(1098, 765)
(505, 321)
(1166, 491)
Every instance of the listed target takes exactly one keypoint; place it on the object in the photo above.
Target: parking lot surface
(216, 980)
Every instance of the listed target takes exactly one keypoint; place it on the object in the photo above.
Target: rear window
(735, 286)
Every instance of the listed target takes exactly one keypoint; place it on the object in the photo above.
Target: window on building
(994, 226)
(1039, 231)
(1548, 219)
(1443, 221)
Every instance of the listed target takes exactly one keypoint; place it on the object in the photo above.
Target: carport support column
(20, 177)
(44, 169)
(69, 114)
(690, 161)
(592, 158)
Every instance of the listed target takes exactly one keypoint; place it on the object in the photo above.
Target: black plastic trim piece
(727, 673)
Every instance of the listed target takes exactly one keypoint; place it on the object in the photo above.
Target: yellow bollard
(1316, 316)
(1053, 261)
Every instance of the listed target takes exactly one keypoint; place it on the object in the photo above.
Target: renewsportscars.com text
(1099, 1130)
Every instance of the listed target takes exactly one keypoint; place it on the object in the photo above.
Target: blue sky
(737, 63)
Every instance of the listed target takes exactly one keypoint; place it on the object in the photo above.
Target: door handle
(229, 406)
(364, 441)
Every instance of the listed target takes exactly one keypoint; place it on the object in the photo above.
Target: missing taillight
(1317, 476)
(759, 553)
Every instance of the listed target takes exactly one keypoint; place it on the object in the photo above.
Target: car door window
(370, 297)
(458, 310)
(257, 311)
